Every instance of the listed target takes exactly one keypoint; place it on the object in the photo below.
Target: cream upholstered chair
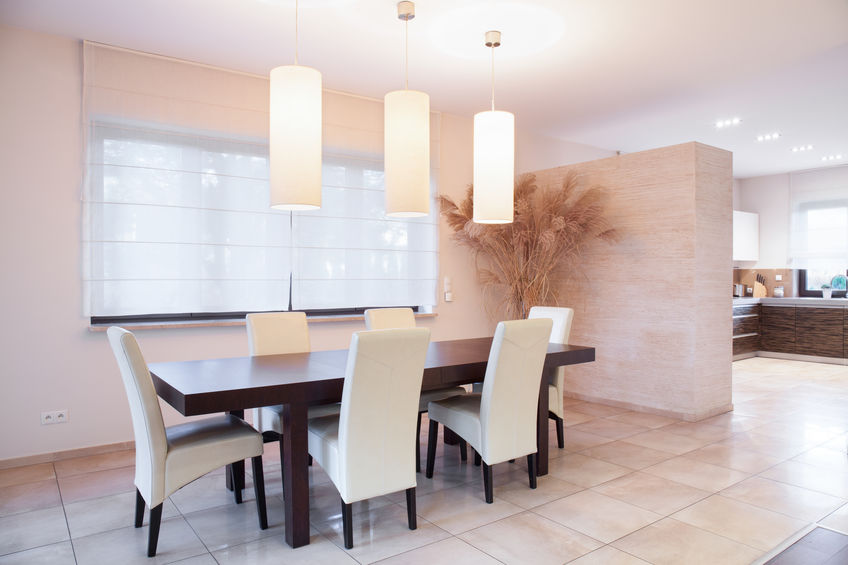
(169, 458)
(390, 318)
(277, 333)
(365, 449)
(500, 422)
(562, 318)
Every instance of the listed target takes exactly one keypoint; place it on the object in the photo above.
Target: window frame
(804, 293)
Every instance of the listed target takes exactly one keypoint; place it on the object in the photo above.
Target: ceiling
(616, 74)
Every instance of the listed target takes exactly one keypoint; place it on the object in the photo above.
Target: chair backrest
(510, 395)
(275, 333)
(377, 424)
(151, 444)
(562, 318)
(389, 318)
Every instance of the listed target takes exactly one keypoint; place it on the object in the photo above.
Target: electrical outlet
(54, 417)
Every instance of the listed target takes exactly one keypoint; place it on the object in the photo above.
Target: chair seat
(433, 395)
(196, 447)
(462, 415)
(272, 416)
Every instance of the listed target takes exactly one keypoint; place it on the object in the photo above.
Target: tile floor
(629, 488)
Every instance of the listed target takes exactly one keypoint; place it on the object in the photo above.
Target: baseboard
(809, 358)
(67, 454)
(677, 415)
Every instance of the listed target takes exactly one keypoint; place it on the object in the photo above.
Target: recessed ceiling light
(802, 148)
(727, 123)
(832, 157)
(768, 136)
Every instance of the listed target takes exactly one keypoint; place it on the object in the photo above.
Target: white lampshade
(494, 167)
(407, 153)
(295, 138)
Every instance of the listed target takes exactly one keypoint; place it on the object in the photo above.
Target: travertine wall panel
(656, 304)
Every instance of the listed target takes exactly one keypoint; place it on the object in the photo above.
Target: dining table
(298, 380)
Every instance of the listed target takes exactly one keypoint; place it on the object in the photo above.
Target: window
(819, 223)
(180, 224)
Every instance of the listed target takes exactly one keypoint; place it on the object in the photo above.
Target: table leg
(238, 466)
(542, 424)
(296, 473)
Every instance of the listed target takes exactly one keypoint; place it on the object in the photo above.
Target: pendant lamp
(407, 141)
(494, 157)
(295, 135)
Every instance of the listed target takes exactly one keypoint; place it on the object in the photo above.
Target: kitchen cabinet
(820, 332)
(777, 328)
(746, 329)
(746, 236)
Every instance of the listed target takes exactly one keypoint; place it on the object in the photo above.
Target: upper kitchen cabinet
(746, 236)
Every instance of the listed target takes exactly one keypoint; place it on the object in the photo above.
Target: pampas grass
(528, 259)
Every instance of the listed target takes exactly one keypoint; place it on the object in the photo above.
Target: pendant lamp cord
(493, 79)
(295, 32)
(406, 54)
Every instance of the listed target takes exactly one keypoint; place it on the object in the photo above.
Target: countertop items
(792, 301)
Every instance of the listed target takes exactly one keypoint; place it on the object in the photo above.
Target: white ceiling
(618, 74)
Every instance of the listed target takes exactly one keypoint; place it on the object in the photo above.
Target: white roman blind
(819, 220)
(176, 215)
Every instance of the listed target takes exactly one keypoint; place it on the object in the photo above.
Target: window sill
(136, 326)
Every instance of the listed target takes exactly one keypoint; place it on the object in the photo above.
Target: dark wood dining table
(298, 380)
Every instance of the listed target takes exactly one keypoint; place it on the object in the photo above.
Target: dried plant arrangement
(528, 259)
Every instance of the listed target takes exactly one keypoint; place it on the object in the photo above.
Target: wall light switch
(778, 277)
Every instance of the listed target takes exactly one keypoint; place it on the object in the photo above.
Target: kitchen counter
(796, 301)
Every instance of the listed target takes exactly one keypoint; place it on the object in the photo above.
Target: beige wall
(50, 360)
(656, 305)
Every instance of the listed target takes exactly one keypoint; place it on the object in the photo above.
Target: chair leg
(347, 525)
(282, 469)
(259, 491)
(309, 460)
(139, 509)
(236, 488)
(432, 438)
(559, 429)
(477, 459)
(153, 534)
(410, 508)
(418, 445)
(531, 469)
(487, 483)
(463, 451)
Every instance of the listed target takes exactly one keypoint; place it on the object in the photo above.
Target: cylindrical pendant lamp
(494, 166)
(494, 157)
(295, 138)
(407, 153)
(406, 150)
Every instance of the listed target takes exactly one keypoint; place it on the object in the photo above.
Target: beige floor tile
(627, 454)
(652, 493)
(204, 559)
(608, 555)
(824, 457)
(383, 532)
(102, 462)
(585, 471)
(27, 474)
(226, 526)
(97, 484)
(531, 539)
(820, 479)
(207, 492)
(643, 419)
(665, 441)
(29, 496)
(573, 418)
(598, 516)
(576, 440)
(747, 524)
(446, 552)
(787, 499)
(612, 429)
(669, 542)
(838, 520)
(96, 515)
(274, 550)
(767, 445)
(464, 508)
(55, 554)
(698, 430)
(128, 546)
(32, 529)
(734, 422)
(698, 474)
(324, 503)
(548, 488)
(734, 457)
(600, 410)
(800, 431)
